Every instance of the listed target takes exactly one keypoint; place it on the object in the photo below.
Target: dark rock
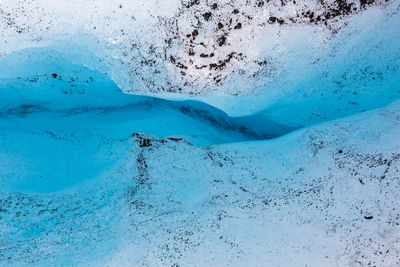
(207, 16)
(238, 26)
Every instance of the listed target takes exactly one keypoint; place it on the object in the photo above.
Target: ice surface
(199, 133)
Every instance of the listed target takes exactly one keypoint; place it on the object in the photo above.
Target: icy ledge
(328, 59)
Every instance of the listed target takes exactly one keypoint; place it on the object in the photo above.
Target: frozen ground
(254, 133)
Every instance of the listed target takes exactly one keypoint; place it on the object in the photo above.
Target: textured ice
(200, 133)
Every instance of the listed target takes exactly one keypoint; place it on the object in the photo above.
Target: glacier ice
(194, 132)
